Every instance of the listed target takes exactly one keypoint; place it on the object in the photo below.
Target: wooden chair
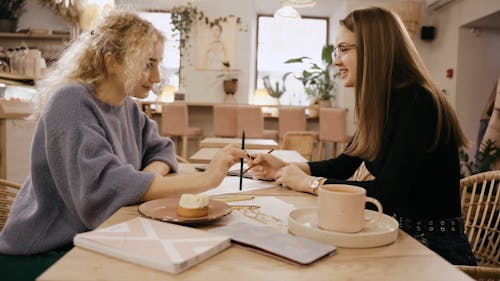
(480, 201)
(300, 141)
(225, 121)
(332, 128)
(8, 191)
(291, 119)
(251, 120)
(174, 123)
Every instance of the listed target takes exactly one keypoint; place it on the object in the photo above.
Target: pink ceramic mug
(341, 208)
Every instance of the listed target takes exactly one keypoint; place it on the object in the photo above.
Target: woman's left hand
(293, 177)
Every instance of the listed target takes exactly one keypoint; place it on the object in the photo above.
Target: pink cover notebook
(160, 245)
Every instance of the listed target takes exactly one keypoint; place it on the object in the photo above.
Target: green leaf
(326, 53)
(295, 60)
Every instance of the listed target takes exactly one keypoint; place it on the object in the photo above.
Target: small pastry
(193, 205)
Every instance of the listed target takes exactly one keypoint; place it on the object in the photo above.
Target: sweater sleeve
(341, 167)
(155, 147)
(91, 179)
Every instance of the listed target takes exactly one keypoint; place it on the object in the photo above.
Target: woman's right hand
(266, 166)
(222, 161)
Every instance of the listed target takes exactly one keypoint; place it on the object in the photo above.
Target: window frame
(180, 49)
(259, 15)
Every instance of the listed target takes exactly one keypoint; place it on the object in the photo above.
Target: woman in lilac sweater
(93, 150)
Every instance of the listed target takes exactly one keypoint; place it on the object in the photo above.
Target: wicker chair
(8, 191)
(300, 141)
(480, 202)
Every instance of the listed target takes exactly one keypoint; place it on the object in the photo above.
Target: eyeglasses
(342, 49)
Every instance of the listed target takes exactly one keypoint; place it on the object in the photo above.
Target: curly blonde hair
(124, 34)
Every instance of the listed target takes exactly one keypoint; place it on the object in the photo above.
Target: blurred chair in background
(291, 119)
(8, 192)
(225, 121)
(174, 123)
(332, 128)
(300, 141)
(251, 119)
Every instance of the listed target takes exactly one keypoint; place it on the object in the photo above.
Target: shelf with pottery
(31, 35)
(17, 77)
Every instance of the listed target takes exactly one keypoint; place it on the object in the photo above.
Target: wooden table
(405, 259)
(204, 155)
(249, 143)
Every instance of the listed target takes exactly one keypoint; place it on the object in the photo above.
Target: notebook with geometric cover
(160, 245)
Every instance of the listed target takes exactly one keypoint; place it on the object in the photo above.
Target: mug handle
(379, 210)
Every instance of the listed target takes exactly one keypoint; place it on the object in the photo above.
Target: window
(170, 65)
(281, 39)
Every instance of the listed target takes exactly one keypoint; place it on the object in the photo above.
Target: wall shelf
(17, 35)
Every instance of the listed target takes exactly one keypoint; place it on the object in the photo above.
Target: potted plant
(230, 84)
(318, 81)
(277, 91)
(9, 11)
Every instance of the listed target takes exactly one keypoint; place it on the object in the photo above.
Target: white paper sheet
(231, 185)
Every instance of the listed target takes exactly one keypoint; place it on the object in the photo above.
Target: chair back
(174, 119)
(300, 141)
(250, 119)
(291, 119)
(8, 192)
(333, 124)
(480, 201)
(225, 121)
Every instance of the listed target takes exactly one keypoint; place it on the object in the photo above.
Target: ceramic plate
(304, 222)
(165, 209)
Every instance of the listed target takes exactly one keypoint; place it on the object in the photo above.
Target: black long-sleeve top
(410, 179)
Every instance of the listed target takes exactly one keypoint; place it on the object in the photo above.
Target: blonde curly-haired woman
(93, 150)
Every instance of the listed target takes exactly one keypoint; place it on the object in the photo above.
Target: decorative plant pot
(313, 110)
(275, 109)
(324, 103)
(230, 86)
(8, 25)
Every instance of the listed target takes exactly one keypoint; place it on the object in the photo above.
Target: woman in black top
(407, 135)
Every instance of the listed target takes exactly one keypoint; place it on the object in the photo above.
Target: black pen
(241, 160)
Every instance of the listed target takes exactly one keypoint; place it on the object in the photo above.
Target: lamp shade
(287, 12)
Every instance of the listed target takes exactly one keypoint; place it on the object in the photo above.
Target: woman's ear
(110, 63)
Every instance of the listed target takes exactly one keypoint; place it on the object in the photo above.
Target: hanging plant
(183, 18)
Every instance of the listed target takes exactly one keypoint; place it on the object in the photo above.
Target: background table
(204, 155)
(405, 259)
(249, 143)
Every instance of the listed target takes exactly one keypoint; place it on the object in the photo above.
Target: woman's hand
(293, 177)
(266, 166)
(222, 161)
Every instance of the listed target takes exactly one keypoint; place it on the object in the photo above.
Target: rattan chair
(8, 191)
(480, 200)
(300, 141)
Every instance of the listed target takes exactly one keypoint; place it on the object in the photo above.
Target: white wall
(479, 65)
(474, 59)
(35, 15)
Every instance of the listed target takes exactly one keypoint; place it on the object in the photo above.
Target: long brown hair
(388, 60)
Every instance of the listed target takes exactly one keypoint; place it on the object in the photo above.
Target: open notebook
(163, 246)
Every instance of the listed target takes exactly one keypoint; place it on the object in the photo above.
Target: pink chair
(225, 122)
(250, 119)
(174, 123)
(332, 128)
(291, 119)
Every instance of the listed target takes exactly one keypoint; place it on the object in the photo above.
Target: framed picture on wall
(215, 44)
